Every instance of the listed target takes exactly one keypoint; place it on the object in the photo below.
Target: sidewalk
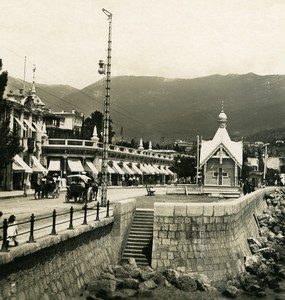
(14, 202)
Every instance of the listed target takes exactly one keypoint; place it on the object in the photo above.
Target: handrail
(88, 143)
(54, 224)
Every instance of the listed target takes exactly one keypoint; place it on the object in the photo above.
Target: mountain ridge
(151, 107)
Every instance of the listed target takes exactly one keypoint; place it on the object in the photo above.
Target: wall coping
(221, 208)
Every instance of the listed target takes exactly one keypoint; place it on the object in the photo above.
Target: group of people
(12, 230)
(131, 181)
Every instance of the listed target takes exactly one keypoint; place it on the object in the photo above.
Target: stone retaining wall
(57, 267)
(209, 238)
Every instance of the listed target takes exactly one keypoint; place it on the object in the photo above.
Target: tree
(10, 142)
(96, 119)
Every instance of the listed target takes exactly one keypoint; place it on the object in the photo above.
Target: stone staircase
(139, 243)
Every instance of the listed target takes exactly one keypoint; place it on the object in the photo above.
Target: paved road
(23, 207)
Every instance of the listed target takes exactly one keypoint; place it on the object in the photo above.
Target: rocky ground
(264, 275)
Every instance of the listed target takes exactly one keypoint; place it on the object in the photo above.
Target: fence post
(4, 247)
(71, 218)
(85, 214)
(108, 205)
(53, 231)
(32, 222)
(97, 215)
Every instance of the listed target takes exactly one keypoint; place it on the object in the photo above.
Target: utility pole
(198, 158)
(106, 69)
(265, 161)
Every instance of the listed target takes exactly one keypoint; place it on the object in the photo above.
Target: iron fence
(33, 225)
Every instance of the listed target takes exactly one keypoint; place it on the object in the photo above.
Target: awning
(158, 171)
(163, 171)
(151, 169)
(168, 171)
(109, 170)
(127, 170)
(89, 165)
(19, 166)
(117, 169)
(135, 169)
(37, 167)
(144, 169)
(37, 127)
(54, 165)
(29, 125)
(75, 165)
(20, 123)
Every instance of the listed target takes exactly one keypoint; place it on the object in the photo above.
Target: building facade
(221, 158)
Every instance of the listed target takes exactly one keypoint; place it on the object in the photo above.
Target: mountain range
(153, 108)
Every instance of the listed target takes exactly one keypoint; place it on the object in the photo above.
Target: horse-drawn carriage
(47, 187)
(80, 188)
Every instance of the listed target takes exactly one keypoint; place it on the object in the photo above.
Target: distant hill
(51, 94)
(155, 107)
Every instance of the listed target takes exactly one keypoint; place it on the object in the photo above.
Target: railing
(90, 144)
(58, 222)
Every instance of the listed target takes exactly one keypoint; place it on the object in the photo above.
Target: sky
(65, 39)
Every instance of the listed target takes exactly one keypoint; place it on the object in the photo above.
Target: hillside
(51, 94)
(154, 107)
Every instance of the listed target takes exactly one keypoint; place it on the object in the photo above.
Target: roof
(221, 138)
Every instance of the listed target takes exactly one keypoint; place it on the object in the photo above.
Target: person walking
(12, 231)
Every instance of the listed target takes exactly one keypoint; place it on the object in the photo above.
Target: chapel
(221, 158)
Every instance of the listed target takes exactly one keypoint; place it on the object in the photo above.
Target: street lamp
(106, 69)
(265, 160)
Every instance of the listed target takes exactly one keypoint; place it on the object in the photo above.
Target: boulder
(128, 283)
(267, 252)
(147, 273)
(231, 292)
(120, 272)
(102, 288)
(186, 283)
(123, 294)
(171, 276)
(147, 285)
(252, 263)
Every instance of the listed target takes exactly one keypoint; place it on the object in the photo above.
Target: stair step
(140, 237)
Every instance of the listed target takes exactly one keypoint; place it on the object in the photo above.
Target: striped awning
(90, 167)
(135, 169)
(19, 166)
(116, 168)
(127, 169)
(37, 166)
(75, 165)
(144, 169)
(54, 165)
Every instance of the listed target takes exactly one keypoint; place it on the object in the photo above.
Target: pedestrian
(12, 231)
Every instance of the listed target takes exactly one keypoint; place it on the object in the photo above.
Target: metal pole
(197, 166)
(32, 222)
(106, 115)
(265, 161)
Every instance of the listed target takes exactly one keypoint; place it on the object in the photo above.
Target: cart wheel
(66, 199)
(36, 195)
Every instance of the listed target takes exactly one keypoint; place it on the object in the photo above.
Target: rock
(132, 262)
(186, 283)
(262, 271)
(158, 278)
(147, 273)
(120, 272)
(147, 285)
(172, 276)
(281, 273)
(252, 263)
(128, 283)
(272, 282)
(123, 294)
(267, 252)
(108, 276)
(231, 292)
(102, 288)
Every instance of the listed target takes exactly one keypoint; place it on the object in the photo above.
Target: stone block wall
(58, 267)
(209, 238)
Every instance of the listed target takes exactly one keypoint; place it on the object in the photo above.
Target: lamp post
(106, 69)
(265, 160)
